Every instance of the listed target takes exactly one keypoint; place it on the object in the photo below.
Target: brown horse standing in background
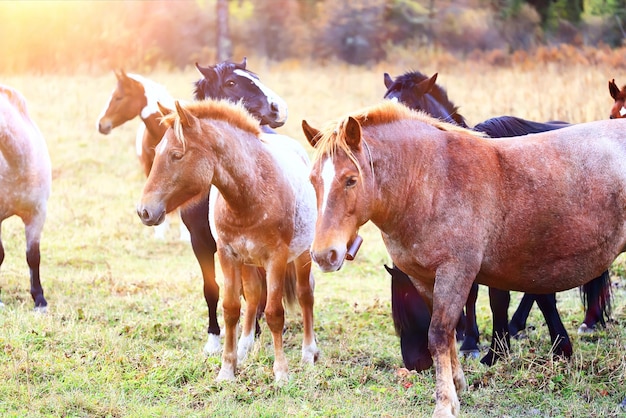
(541, 213)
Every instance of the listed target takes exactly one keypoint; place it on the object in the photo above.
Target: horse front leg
(253, 293)
(195, 218)
(232, 310)
(304, 289)
(452, 287)
(34, 227)
(275, 313)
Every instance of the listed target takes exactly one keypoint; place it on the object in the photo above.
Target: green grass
(127, 319)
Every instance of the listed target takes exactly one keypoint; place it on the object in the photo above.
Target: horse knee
(275, 318)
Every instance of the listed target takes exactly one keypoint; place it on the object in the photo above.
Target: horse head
(126, 102)
(419, 92)
(342, 200)
(232, 81)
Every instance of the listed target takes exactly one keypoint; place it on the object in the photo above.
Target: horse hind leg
(518, 321)
(500, 340)
(304, 290)
(33, 258)
(561, 344)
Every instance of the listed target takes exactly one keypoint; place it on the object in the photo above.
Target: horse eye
(351, 182)
(176, 155)
(230, 83)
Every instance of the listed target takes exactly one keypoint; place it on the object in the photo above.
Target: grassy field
(127, 319)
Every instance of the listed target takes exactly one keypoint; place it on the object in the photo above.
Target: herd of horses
(544, 211)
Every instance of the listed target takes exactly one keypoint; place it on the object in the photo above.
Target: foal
(264, 214)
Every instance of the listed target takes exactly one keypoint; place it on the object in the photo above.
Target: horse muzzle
(105, 127)
(151, 216)
(329, 259)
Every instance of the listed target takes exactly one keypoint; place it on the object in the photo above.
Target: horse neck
(392, 189)
(244, 172)
(154, 127)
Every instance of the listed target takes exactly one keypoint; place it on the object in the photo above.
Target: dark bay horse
(264, 214)
(420, 92)
(619, 96)
(25, 180)
(137, 96)
(540, 214)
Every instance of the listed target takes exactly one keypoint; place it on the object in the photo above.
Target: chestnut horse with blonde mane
(25, 180)
(541, 213)
(264, 215)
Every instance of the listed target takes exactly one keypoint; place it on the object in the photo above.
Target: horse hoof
(1, 305)
(225, 376)
(281, 378)
(41, 309)
(585, 330)
(470, 354)
(212, 346)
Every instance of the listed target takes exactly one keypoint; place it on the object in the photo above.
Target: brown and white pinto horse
(25, 180)
(539, 214)
(263, 215)
(619, 96)
(135, 96)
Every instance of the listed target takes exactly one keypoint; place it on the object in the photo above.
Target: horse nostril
(332, 257)
(143, 214)
(274, 106)
(611, 117)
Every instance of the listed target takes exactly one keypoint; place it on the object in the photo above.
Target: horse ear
(613, 89)
(312, 134)
(388, 80)
(164, 110)
(353, 133)
(187, 120)
(244, 62)
(425, 86)
(205, 71)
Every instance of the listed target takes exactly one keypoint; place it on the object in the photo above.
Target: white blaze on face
(271, 96)
(160, 148)
(328, 176)
(622, 111)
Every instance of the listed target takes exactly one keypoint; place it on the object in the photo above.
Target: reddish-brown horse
(264, 214)
(618, 110)
(25, 179)
(539, 214)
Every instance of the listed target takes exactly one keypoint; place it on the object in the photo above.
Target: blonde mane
(223, 110)
(333, 136)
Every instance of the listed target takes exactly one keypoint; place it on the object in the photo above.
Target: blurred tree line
(100, 35)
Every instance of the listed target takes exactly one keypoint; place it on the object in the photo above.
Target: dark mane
(508, 126)
(409, 80)
(209, 86)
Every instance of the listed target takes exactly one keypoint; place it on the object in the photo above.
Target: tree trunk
(224, 45)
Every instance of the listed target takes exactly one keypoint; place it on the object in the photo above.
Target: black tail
(596, 297)
(411, 319)
(507, 126)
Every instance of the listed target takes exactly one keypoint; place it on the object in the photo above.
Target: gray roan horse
(25, 179)
(539, 214)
